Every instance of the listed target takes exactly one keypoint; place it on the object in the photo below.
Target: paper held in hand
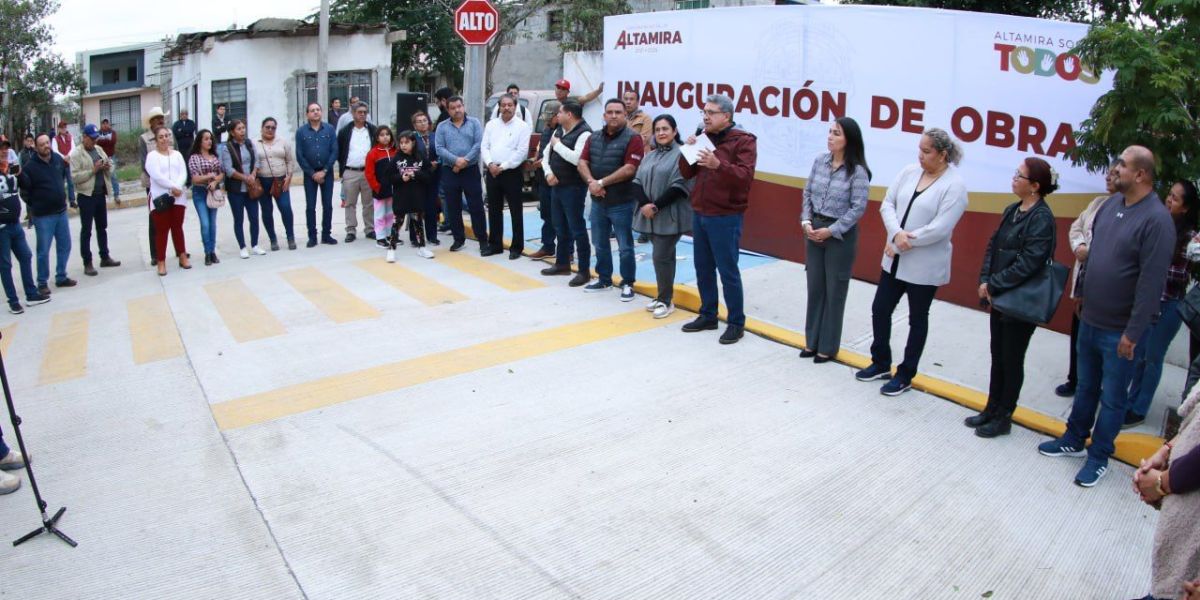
(691, 152)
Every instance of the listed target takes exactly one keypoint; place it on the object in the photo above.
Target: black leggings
(416, 230)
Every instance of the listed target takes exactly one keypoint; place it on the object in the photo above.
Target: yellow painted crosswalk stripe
(66, 348)
(152, 329)
(244, 314)
(337, 389)
(422, 288)
(337, 302)
(6, 337)
(489, 272)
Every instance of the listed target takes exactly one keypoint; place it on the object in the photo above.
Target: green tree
(585, 23)
(1155, 99)
(431, 45)
(1070, 10)
(30, 73)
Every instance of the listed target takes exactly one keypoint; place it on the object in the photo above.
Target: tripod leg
(29, 536)
(64, 537)
(54, 520)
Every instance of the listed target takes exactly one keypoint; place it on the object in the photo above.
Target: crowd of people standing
(1135, 253)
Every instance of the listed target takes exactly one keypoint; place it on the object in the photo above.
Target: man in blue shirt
(457, 143)
(316, 151)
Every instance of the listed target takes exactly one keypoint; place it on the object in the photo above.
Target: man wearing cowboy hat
(154, 119)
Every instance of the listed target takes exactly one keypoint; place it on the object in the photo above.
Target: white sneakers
(259, 251)
(391, 255)
(660, 310)
(244, 253)
(424, 252)
(10, 483)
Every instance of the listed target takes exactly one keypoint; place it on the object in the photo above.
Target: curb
(1131, 448)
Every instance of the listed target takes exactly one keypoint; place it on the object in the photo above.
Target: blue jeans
(207, 217)
(52, 229)
(116, 188)
(66, 171)
(567, 205)
(12, 243)
(433, 206)
(1103, 381)
(618, 217)
(243, 207)
(3, 447)
(1148, 358)
(285, 211)
(455, 185)
(716, 250)
(310, 206)
(545, 210)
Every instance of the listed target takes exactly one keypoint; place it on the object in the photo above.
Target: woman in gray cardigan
(664, 213)
(919, 212)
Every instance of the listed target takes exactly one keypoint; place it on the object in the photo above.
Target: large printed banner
(1007, 87)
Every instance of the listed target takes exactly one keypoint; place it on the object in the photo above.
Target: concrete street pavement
(321, 424)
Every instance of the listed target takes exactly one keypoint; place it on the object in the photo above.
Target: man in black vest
(560, 162)
(608, 164)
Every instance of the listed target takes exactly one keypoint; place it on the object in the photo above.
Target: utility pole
(323, 57)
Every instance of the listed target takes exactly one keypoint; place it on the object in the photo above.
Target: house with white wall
(269, 69)
(123, 83)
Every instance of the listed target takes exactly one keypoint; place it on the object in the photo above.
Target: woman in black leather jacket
(1017, 251)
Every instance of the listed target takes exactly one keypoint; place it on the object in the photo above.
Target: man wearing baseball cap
(12, 240)
(89, 169)
(562, 92)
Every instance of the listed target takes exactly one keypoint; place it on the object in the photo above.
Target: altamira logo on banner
(1016, 53)
(648, 38)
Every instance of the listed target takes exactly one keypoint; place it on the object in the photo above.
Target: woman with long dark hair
(207, 175)
(1017, 251)
(379, 177)
(239, 160)
(410, 173)
(835, 198)
(1184, 206)
(664, 213)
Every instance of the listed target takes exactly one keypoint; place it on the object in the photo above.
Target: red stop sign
(476, 22)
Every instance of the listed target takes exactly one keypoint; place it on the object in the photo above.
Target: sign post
(476, 22)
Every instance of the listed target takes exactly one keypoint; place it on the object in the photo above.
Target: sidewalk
(322, 424)
(957, 360)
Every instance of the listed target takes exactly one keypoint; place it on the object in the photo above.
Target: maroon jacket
(726, 189)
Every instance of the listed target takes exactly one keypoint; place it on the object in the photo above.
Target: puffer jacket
(726, 189)
(1022, 252)
(379, 170)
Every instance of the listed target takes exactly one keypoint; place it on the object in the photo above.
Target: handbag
(216, 198)
(254, 188)
(1036, 300)
(164, 202)
(278, 184)
(1189, 310)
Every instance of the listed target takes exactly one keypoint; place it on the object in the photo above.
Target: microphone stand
(49, 525)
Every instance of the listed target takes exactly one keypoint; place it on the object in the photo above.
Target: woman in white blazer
(920, 211)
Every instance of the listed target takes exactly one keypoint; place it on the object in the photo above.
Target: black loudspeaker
(408, 103)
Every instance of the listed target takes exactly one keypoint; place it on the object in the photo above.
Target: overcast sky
(92, 24)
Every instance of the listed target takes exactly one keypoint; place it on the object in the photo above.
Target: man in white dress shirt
(504, 150)
(353, 144)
